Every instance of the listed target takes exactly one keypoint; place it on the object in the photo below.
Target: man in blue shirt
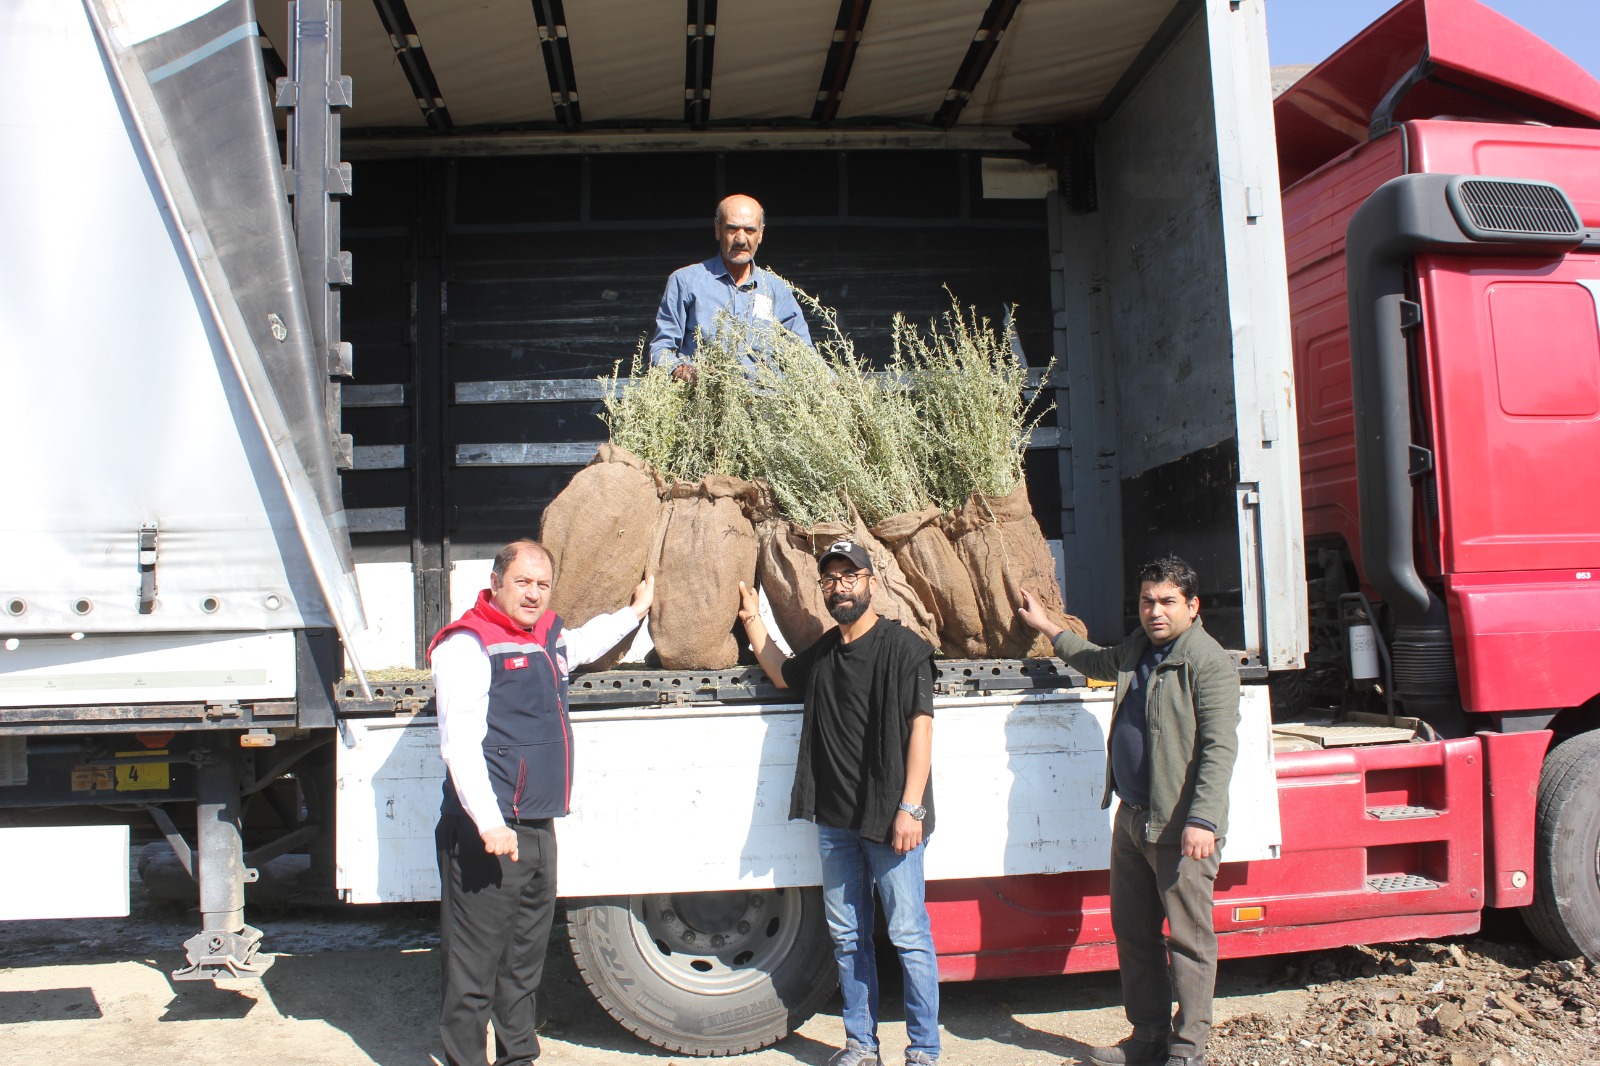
(730, 281)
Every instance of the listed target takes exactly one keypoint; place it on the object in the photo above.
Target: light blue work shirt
(696, 293)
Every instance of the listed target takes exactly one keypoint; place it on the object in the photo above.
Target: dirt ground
(356, 985)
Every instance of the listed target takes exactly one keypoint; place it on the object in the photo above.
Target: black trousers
(494, 929)
(1151, 883)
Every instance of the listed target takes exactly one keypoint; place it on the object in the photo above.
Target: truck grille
(1519, 207)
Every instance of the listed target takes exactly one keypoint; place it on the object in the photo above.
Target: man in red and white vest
(500, 680)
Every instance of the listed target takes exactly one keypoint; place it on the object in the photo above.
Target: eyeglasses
(843, 581)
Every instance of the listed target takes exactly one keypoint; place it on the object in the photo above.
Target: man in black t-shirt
(863, 776)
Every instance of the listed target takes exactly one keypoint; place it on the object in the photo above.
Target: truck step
(1395, 814)
(1400, 883)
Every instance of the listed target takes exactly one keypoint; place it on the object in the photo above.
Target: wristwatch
(916, 810)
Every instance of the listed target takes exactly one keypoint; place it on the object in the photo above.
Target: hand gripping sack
(1004, 551)
(600, 531)
(707, 546)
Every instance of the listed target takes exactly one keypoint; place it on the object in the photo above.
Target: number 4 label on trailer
(141, 776)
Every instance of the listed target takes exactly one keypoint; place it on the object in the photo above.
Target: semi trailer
(1341, 351)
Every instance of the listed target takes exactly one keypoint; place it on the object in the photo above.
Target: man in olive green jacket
(1169, 757)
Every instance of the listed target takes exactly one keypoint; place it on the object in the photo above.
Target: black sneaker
(1192, 1060)
(1131, 1052)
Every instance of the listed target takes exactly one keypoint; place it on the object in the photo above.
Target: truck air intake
(1492, 209)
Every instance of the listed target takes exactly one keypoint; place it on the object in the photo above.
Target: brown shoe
(1131, 1052)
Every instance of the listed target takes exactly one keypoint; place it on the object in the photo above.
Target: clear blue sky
(1308, 31)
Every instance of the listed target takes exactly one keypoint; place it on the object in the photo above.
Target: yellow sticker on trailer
(139, 777)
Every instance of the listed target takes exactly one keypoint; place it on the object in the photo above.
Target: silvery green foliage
(833, 435)
(974, 415)
(833, 438)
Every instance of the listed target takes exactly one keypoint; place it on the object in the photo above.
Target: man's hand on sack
(1032, 612)
(644, 594)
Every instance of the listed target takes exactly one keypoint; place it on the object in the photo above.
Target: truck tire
(706, 973)
(1565, 913)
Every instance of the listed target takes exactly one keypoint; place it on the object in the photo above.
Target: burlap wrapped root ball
(1004, 551)
(894, 598)
(786, 568)
(707, 546)
(938, 577)
(600, 532)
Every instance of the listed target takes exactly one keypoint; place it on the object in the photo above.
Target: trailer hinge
(147, 568)
(341, 360)
(341, 91)
(344, 451)
(340, 269)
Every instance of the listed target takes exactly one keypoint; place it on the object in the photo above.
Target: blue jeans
(851, 865)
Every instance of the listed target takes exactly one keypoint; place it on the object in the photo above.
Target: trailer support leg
(225, 946)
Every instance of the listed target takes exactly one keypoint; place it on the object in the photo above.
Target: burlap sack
(1004, 551)
(936, 573)
(600, 531)
(786, 567)
(707, 546)
(895, 597)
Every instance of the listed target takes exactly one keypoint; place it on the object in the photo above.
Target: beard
(846, 607)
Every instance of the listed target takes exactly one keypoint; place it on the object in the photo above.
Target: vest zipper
(566, 742)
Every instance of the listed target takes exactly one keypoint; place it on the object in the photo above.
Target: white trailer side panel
(153, 668)
(697, 799)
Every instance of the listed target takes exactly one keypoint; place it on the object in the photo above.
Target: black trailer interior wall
(482, 275)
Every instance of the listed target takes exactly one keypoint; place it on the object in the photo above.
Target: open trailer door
(183, 481)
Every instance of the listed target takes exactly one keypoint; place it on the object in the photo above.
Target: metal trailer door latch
(147, 569)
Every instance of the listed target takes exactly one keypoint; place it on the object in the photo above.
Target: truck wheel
(706, 973)
(1565, 913)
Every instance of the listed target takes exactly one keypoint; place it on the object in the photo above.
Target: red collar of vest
(491, 625)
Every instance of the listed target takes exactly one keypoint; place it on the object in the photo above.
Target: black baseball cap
(846, 549)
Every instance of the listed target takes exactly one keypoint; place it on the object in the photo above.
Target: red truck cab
(1471, 512)
(1441, 201)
